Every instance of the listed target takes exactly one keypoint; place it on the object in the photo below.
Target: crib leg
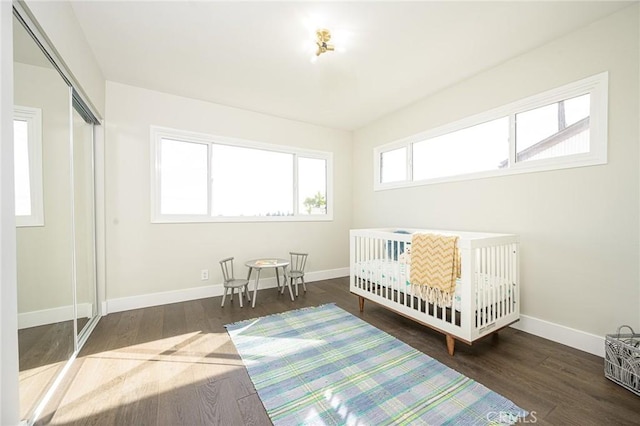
(361, 303)
(451, 343)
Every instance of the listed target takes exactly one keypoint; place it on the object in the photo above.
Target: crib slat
(505, 280)
(482, 293)
(500, 297)
(494, 283)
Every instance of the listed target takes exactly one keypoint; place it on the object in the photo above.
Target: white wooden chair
(230, 282)
(296, 271)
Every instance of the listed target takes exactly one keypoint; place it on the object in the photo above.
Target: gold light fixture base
(324, 36)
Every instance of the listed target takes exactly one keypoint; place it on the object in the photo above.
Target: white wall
(579, 227)
(145, 258)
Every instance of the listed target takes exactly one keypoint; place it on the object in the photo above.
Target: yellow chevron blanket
(435, 265)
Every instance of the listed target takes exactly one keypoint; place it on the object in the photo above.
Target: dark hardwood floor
(175, 365)
(43, 352)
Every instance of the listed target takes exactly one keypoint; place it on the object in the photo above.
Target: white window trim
(33, 117)
(158, 133)
(596, 86)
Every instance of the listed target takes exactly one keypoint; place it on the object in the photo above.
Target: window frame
(596, 86)
(33, 117)
(158, 133)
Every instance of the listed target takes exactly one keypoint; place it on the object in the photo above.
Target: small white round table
(260, 264)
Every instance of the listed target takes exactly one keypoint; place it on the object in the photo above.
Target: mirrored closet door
(55, 217)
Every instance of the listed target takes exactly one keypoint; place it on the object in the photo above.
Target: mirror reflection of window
(21, 167)
(27, 150)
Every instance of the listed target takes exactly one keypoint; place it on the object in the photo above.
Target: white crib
(487, 292)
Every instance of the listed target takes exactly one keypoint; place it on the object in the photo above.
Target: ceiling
(256, 55)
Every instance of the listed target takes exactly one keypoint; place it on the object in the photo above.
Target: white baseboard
(164, 298)
(555, 332)
(53, 315)
(326, 275)
(577, 339)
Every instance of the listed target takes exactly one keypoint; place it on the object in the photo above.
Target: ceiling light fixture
(323, 36)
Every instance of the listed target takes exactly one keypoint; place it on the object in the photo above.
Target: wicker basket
(622, 359)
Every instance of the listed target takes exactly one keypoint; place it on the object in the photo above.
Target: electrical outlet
(204, 274)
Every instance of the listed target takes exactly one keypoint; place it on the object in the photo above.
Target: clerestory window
(562, 128)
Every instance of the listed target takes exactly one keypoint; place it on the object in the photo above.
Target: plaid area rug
(324, 366)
